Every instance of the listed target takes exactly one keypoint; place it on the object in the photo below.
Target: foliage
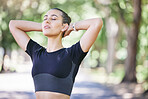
(142, 72)
(119, 10)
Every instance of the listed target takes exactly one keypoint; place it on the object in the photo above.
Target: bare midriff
(50, 95)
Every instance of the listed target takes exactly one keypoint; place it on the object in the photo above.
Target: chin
(49, 34)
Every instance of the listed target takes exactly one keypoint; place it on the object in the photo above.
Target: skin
(53, 28)
(50, 95)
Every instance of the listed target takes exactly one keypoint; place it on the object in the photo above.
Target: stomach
(50, 95)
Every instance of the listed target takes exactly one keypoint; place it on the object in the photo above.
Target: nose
(47, 21)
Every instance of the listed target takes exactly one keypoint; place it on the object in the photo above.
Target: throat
(54, 49)
(54, 44)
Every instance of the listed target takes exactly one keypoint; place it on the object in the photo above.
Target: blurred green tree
(111, 45)
(132, 38)
(122, 12)
(6, 39)
(11, 10)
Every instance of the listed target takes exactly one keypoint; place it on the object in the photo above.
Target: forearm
(85, 24)
(94, 25)
(25, 26)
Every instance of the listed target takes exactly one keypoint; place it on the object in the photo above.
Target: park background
(118, 58)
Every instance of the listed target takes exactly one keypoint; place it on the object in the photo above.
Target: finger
(66, 33)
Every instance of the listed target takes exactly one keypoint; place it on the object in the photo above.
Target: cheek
(57, 24)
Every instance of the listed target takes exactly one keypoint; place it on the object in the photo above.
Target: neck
(54, 44)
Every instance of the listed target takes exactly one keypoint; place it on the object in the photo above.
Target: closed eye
(45, 19)
(53, 19)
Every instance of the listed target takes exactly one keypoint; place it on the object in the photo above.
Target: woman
(55, 67)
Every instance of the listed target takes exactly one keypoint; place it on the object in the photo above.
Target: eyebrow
(51, 15)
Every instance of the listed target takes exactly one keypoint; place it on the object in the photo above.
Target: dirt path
(20, 86)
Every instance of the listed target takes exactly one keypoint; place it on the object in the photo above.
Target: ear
(65, 27)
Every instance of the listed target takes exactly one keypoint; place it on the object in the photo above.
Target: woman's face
(52, 24)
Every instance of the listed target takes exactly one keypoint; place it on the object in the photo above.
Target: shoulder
(32, 46)
(76, 48)
(76, 53)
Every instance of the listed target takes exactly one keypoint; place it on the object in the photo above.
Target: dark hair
(66, 18)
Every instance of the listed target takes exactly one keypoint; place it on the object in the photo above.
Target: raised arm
(18, 29)
(92, 27)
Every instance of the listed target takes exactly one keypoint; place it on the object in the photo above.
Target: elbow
(98, 25)
(99, 22)
(11, 25)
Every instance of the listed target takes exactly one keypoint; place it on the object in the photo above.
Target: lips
(46, 27)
